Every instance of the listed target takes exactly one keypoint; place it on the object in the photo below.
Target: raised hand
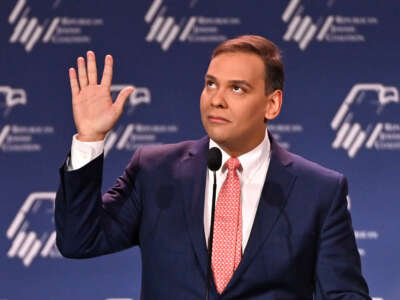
(94, 111)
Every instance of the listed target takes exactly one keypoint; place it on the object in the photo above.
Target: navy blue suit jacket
(301, 245)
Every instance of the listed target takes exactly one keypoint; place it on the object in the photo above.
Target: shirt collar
(250, 161)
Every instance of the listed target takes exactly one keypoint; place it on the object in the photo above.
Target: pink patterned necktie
(227, 240)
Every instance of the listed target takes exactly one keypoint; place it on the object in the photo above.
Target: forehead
(237, 66)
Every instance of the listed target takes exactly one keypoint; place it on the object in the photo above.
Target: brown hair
(265, 49)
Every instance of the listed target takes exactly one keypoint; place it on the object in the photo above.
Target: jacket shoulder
(308, 169)
(319, 187)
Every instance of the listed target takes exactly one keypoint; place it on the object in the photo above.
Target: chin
(220, 139)
(220, 134)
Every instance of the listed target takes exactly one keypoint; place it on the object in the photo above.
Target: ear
(274, 104)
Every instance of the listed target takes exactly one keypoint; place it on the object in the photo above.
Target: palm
(93, 108)
(94, 111)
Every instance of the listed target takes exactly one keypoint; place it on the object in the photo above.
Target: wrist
(90, 138)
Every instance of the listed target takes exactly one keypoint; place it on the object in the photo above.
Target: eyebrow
(244, 82)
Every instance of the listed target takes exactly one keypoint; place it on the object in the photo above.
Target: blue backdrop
(341, 109)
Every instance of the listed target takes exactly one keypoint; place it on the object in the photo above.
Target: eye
(238, 89)
(210, 83)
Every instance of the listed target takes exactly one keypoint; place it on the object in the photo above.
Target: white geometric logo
(135, 135)
(130, 136)
(300, 29)
(12, 97)
(164, 29)
(28, 239)
(4, 133)
(27, 30)
(139, 95)
(333, 28)
(350, 135)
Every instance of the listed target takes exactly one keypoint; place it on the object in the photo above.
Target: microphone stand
(210, 238)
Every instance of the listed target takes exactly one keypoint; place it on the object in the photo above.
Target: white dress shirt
(252, 177)
(83, 152)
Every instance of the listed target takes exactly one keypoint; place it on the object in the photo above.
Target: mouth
(217, 120)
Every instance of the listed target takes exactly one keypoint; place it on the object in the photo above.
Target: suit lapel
(193, 174)
(274, 195)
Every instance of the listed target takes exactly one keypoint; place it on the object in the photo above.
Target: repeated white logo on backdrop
(17, 137)
(31, 232)
(10, 97)
(362, 234)
(28, 30)
(371, 235)
(381, 135)
(130, 136)
(140, 95)
(283, 132)
(302, 28)
(165, 29)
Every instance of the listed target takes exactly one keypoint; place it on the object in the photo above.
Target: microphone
(214, 161)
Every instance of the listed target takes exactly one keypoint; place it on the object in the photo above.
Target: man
(282, 229)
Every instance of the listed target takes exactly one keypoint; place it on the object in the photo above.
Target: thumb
(122, 98)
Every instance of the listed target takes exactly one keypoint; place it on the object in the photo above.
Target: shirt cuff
(83, 152)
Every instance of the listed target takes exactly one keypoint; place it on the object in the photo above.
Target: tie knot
(232, 164)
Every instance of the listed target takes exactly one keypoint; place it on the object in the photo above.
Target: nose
(218, 99)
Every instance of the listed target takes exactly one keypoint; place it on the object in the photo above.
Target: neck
(238, 150)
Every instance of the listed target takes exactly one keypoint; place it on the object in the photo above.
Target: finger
(91, 67)
(122, 98)
(83, 81)
(108, 71)
(73, 81)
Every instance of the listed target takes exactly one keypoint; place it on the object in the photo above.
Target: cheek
(249, 115)
(203, 102)
(205, 97)
(246, 110)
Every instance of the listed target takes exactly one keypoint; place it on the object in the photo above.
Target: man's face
(233, 103)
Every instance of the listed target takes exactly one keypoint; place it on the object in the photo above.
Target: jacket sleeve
(89, 224)
(338, 268)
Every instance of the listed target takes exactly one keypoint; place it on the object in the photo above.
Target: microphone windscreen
(214, 159)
